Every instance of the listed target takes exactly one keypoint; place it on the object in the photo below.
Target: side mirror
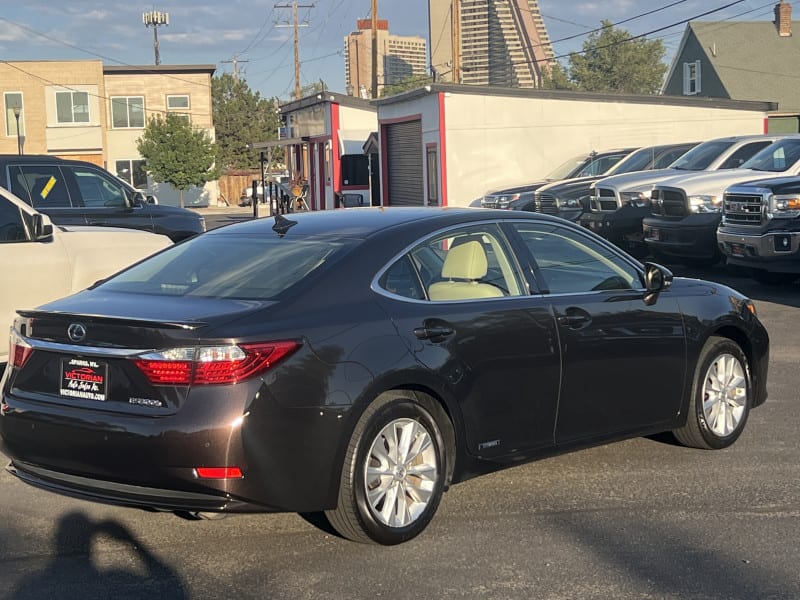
(656, 280)
(151, 199)
(42, 228)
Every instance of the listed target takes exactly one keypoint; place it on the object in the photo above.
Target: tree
(178, 153)
(317, 87)
(409, 83)
(612, 62)
(241, 117)
(556, 78)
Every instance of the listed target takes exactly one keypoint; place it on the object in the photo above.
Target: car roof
(361, 223)
(22, 158)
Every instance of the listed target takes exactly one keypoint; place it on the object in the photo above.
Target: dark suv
(74, 192)
(584, 165)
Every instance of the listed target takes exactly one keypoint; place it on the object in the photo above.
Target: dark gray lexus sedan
(359, 362)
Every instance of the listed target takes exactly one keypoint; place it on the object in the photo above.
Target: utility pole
(374, 48)
(294, 6)
(455, 12)
(155, 19)
(235, 61)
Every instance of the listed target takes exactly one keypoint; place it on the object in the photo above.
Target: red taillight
(165, 372)
(219, 472)
(213, 365)
(19, 351)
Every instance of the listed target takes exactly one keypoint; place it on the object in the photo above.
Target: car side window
(12, 225)
(667, 158)
(98, 191)
(464, 264)
(740, 156)
(41, 186)
(402, 279)
(568, 262)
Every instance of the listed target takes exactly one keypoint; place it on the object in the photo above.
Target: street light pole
(17, 111)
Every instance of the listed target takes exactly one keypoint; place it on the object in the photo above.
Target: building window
(127, 112)
(132, 171)
(179, 105)
(72, 107)
(355, 170)
(433, 175)
(178, 102)
(691, 78)
(14, 100)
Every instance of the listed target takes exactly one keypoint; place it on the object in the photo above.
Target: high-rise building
(399, 58)
(489, 42)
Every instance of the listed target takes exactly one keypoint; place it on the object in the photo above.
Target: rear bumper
(121, 494)
(694, 236)
(152, 461)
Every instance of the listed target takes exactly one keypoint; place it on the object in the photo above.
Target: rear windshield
(246, 267)
(700, 157)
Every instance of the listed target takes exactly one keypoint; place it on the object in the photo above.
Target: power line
(235, 61)
(610, 25)
(85, 51)
(258, 33)
(296, 25)
(639, 36)
(92, 94)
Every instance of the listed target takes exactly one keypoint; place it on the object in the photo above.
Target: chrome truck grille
(669, 203)
(546, 203)
(604, 200)
(742, 209)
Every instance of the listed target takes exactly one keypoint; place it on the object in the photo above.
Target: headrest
(465, 261)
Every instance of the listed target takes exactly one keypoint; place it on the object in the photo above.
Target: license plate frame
(83, 379)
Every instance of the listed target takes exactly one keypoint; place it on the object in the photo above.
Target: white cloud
(12, 33)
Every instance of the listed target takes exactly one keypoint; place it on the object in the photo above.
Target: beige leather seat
(463, 266)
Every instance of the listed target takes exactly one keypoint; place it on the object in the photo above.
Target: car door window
(569, 262)
(97, 190)
(41, 186)
(12, 226)
(465, 264)
(743, 154)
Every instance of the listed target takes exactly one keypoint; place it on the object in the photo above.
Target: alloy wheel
(400, 473)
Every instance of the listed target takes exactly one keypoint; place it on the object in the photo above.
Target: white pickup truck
(42, 262)
(687, 210)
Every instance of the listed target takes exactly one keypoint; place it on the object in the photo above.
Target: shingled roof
(750, 59)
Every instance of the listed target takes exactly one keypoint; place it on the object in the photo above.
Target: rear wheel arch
(360, 512)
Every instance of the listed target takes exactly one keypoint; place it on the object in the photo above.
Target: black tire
(361, 519)
(707, 408)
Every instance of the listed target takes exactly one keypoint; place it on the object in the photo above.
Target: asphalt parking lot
(639, 519)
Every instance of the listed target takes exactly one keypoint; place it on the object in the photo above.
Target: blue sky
(206, 32)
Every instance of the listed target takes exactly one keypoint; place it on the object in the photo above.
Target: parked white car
(43, 262)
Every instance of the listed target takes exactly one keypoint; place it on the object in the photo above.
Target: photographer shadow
(76, 571)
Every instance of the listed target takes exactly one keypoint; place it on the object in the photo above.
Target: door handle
(434, 333)
(574, 319)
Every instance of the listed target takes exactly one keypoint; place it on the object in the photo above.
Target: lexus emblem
(76, 332)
